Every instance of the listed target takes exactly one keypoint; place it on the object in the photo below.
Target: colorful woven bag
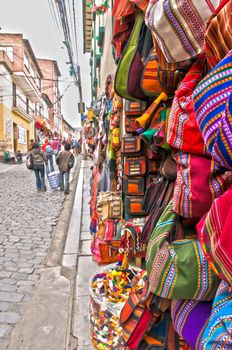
(198, 183)
(189, 318)
(214, 232)
(218, 334)
(213, 108)
(218, 34)
(178, 26)
(183, 132)
(177, 270)
(135, 319)
(153, 81)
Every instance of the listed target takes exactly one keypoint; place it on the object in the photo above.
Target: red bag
(135, 166)
(105, 252)
(135, 319)
(199, 181)
(183, 132)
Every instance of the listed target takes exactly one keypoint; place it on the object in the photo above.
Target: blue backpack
(49, 150)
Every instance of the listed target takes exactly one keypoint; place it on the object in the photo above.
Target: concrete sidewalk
(77, 254)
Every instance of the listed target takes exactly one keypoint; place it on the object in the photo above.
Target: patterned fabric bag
(105, 252)
(189, 318)
(217, 334)
(122, 29)
(218, 34)
(134, 206)
(135, 319)
(213, 108)
(135, 166)
(179, 269)
(133, 186)
(130, 67)
(179, 27)
(198, 183)
(152, 83)
(131, 145)
(214, 231)
(158, 196)
(134, 108)
(183, 132)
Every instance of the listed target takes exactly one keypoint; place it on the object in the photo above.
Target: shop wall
(108, 65)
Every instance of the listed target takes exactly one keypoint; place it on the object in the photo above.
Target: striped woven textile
(213, 106)
(218, 332)
(189, 318)
(194, 194)
(178, 26)
(214, 232)
(218, 35)
(177, 270)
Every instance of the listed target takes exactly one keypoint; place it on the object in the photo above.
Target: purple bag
(189, 318)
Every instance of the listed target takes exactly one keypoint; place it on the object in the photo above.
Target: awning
(39, 123)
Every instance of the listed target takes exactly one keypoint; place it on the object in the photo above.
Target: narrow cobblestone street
(26, 224)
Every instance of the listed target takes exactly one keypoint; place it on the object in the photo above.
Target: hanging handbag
(135, 166)
(178, 27)
(155, 80)
(213, 106)
(134, 108)
(158, 195)
(198, 183)
(134, 206)
(183, 132)
(131, 145)
(133, 186)
(215, 236)
(135, 319)
(131, 64)
(177, 269)
(217, 332)
(105, 252)
(218, 36)
(189, 318)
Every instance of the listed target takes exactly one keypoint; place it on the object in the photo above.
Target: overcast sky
(33, 19)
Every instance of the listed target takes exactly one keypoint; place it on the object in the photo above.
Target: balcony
(22, 108)
(28, 85)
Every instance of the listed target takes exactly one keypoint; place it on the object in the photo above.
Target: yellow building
(21, 99)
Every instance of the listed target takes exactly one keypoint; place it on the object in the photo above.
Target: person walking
(65, 161)
(56, 145)
(48, 151)
(39, 159)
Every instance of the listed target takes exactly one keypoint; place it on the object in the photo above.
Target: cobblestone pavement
(26, 222)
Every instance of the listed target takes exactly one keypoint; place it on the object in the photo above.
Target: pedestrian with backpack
(48, 151)
(38, 160)
(65, 161)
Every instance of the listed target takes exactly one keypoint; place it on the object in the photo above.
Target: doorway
(16, 136)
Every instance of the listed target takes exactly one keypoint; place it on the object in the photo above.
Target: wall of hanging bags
(168, 162)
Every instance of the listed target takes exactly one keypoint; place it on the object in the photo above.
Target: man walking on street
(65, 161)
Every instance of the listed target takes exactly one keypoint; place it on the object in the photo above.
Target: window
(10, 52)
(26, 61)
